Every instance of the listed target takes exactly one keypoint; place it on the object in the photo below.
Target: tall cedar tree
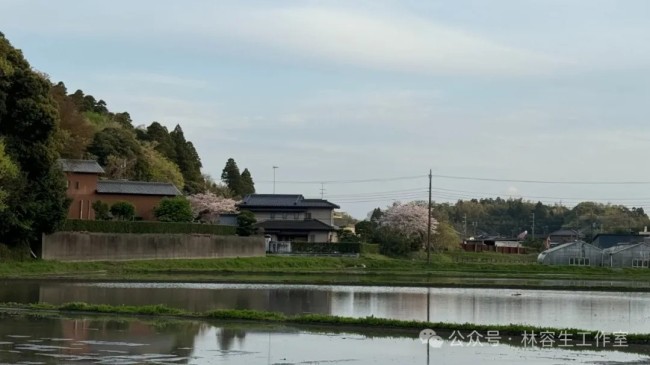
(75, 133)
(231, 177)
(247, 186)
(188, 161)
(160, 135)
(28, 122)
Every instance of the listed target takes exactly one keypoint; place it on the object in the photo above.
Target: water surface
(92, 340)
(605, 311)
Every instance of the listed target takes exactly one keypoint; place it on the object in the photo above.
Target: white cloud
(402, 43)
(148, 79)
(342, 35)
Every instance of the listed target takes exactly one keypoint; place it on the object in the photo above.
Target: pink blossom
(209, 206)
(410, 219)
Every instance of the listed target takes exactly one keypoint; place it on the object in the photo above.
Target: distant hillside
(87, 129)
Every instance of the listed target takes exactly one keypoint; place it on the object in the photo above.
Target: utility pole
(322, 190)
(464, 226)
(429, 222)
(533, 226)
(274, 168)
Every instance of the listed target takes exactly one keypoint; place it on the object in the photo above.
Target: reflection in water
(605, 311)
(129, 341)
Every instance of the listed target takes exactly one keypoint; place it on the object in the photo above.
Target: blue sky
(550, 90)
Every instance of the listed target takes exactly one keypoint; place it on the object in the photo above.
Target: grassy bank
(457, 269)
(304, 319)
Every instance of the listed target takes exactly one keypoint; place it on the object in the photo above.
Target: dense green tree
(158, 133)
(28, 123)
(123, 119)
(114, 142)
(102, 210)
(445, 238)
(121, 154)
(376, 215)
(345, 235)
(394, 243)
(8, 175)
(161, 169)
(366, 230)
(246, 223)
(231, 176)
(188, 161)
(246, 184)
(176, 209)
(124, 211)
(75, 132)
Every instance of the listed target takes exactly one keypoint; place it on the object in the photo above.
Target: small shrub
(102, 210)
(176, 209)
(246, 223)
(123, 211)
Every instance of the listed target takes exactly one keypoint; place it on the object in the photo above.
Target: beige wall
(85, 246)
(323, 215)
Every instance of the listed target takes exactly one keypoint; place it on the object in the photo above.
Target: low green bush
(369, 248)
(77, 225)
(325, 247)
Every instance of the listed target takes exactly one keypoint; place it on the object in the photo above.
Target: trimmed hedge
(371, 248)
(77, 225)
(325, 247)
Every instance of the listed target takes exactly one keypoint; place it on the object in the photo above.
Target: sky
(356, 101)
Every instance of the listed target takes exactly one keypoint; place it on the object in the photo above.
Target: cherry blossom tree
(207, 206)
(409, 219)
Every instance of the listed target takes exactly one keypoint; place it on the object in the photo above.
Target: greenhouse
(635, 255)
(578, 253)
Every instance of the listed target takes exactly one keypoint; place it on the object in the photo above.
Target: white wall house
(291, 217)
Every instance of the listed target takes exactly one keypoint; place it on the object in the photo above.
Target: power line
(349, 181)
(378, 193)
(544, 181)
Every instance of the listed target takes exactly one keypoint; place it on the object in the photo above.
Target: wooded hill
(41, 121)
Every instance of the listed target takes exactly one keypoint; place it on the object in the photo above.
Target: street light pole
(429, 223)
(274, 168)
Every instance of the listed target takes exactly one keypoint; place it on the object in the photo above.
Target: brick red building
(85, 187)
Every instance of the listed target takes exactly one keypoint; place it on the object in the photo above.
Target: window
(76, 185)
(307, 215)
(272, 215)
(579, 261)
(296, 216)
(284, 215)
(640, 263)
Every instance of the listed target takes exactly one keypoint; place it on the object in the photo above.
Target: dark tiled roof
(82, 166)
(283, 201)
(136, 188)
(297, 225)
(318, 203)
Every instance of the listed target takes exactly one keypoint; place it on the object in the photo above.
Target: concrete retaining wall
(85, 246)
